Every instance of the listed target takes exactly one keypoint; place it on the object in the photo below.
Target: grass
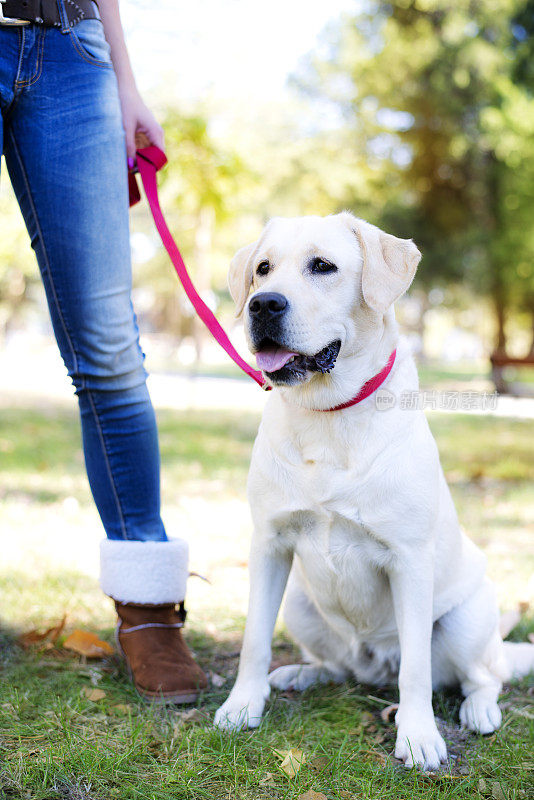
(56, 743)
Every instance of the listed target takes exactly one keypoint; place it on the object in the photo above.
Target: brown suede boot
(161, 664)
(147, 581)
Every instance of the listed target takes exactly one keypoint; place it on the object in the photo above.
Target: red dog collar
(368, 388)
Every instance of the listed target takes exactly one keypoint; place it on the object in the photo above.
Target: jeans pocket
(90, 42)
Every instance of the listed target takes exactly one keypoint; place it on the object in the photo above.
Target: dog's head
(320, 285)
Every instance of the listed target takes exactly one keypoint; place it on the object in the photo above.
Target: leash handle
(149, 161)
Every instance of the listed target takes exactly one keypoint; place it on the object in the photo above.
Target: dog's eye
(320, 265)
(263, 268)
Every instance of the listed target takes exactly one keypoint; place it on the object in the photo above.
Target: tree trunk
(500, 316)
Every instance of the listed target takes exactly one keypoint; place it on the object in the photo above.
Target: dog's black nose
(267, 305)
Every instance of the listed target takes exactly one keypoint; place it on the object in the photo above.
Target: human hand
(140, 125)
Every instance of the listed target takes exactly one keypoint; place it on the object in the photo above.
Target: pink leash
(149, 161)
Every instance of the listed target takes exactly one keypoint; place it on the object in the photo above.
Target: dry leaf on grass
(34, 637)
(311, 795)
(93, 694)
(87, 644)
(292, 761)
(388, 713)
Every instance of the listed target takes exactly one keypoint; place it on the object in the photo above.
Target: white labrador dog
(351, 504)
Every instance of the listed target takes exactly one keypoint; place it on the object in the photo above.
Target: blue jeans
(62, 137)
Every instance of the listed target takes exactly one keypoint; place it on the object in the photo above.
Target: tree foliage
(441, 94)
(416, 114)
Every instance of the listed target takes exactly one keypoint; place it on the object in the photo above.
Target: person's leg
(65, 152)
(9, 59)
(64, 149)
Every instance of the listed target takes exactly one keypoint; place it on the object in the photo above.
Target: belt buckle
(10, 20)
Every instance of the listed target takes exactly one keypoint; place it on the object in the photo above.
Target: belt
(45, 12)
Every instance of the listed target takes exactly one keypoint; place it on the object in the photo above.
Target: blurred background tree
(416, 114)
(441, 95)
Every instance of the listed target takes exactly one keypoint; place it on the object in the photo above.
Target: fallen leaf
(292, 761)
(311, 795)
(93, 694)
(56, 632)
(508, 621)
(523, 606)
(217, 680)
(387, 713)
(34, 637)
(87, 644)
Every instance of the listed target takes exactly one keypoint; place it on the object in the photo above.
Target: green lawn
(57, 743)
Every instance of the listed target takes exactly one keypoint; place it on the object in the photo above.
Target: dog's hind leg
(467, 649)
(321, 647)
(519, 658)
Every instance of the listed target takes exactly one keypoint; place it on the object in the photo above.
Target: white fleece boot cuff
(144, 572)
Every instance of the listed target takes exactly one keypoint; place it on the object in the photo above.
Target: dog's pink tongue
(273, 358)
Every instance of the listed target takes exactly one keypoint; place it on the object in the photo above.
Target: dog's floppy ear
(389, 264)
(240, 276)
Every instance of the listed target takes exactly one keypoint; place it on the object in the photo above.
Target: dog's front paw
(243, 709)
(420, 744)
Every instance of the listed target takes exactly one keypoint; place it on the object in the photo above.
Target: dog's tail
(519, 658)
